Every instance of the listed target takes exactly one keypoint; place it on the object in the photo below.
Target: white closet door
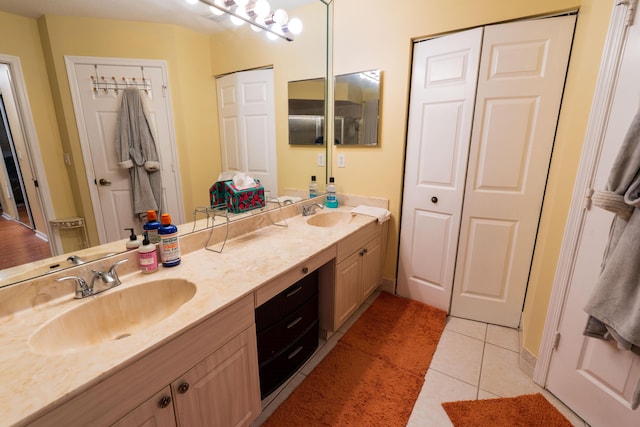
(520, 84)
(593, 377)
(246, 112)
(443, 86)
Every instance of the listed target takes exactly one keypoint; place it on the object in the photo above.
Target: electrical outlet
(341, 160)
(321, 159)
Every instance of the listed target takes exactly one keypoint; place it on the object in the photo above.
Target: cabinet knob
(183, 388)
(164, 401)
(434, 199)
(363, 252)
(305, 270)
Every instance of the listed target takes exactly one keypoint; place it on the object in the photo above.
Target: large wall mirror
(357, 108)
(195, 57)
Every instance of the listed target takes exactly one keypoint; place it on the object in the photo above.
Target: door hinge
(35, 182)
(587, 199)
(556, 340)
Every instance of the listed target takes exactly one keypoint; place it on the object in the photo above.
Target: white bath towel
(381, 213)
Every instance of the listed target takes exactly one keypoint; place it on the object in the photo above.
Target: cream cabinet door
(371, 266)
(347, 292)
(157, 412)
(222, 390)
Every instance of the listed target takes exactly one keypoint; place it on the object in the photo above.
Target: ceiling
(196, 17)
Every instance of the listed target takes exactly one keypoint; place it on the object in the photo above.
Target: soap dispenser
(147, 256)
(133, 242)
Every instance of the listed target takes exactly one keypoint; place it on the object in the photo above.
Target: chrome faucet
(75, 260)
(100, 281)
(310, 209)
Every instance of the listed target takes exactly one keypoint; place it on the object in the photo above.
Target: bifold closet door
(443, 87)
(472, 257)
(520, 84)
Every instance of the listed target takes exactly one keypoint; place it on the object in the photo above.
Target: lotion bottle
(133, 242)
(169, 242)
(147, 256)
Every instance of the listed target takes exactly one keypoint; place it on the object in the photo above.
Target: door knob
(434, 199)
(104, 182)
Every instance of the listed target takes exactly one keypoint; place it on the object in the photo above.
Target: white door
(443, 86)
(246, 112)
(594, 377)
(520, 84)
(96, 113)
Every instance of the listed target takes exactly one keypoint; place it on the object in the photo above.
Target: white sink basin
(113, 315)
(330, 219)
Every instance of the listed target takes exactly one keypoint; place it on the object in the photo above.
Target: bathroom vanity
(198, 364)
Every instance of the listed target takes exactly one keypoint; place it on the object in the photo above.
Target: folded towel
(381, 213)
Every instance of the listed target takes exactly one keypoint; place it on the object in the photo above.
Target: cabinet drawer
(276, 372)
(281, 335)
(286, 302)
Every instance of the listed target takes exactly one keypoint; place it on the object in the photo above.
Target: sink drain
(121, 336)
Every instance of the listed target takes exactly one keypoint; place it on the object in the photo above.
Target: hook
(94, 83)
(116, 83)
(106, 87)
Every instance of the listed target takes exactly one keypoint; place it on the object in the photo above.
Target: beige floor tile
(568, 413)
(438, 388)
(466, 327)
(458, 356)
(503, 337)
(483, 394)
(501, 375)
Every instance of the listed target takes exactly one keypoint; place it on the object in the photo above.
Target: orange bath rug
(521, 411)
(370, 378)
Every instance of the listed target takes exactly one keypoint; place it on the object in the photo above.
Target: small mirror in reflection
(357, 106)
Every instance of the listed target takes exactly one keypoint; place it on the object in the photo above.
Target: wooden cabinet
(210, 374)
(358, 270)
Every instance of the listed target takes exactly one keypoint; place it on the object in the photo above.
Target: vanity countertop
(31, 383)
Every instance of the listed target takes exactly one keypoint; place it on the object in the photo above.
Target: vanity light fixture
(257, 13)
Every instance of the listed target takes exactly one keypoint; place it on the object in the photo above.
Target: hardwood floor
(20, 244)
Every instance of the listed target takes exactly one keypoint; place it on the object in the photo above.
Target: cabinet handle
(164, 401)
(293, 292)
(296, 351)
(363, 252)
(294, 323)
(305, 270)
(183, 388)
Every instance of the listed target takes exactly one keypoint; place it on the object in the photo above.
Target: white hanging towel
(381, 213)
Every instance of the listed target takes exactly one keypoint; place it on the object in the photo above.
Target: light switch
(341, 160)
(320, 159)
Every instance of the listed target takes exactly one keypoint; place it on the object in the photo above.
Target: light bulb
(215, 11)
(271, 36)
(242, 12)
(192, 1)
(259, 21)
(295, 26)
(241, 3)
(262, 8)
(256, 29)
(280, 17)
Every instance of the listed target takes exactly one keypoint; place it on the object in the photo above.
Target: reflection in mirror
(356, 108)
(192, 59)
(306, 112)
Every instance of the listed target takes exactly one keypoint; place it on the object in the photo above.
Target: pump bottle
(151, 226)
(169, 242)
(133, 242)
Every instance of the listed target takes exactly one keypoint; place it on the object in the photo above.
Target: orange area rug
(521, 411)
(374, 374)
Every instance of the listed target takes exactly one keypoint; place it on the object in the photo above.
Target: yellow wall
(369, 34)
(19, 37)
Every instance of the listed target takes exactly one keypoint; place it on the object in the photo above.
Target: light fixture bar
(283, 35)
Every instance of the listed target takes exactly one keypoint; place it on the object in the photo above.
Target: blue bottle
(169, 242)
(331, 199)
(151, 227)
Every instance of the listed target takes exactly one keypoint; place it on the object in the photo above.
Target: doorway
(482, 117)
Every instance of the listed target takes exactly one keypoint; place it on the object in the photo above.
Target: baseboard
(388, 286)
(527, 362)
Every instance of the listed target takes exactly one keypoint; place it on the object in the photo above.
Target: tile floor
(473, 360)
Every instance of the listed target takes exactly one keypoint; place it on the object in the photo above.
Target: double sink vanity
(179, 345)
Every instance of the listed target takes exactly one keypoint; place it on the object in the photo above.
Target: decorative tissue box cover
(244, 200)
(218, 194)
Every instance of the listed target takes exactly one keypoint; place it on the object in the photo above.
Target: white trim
(31, 141)
(71, 62)
(600, 107)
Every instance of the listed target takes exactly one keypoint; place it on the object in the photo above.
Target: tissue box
(218, 194)
(244, 200)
